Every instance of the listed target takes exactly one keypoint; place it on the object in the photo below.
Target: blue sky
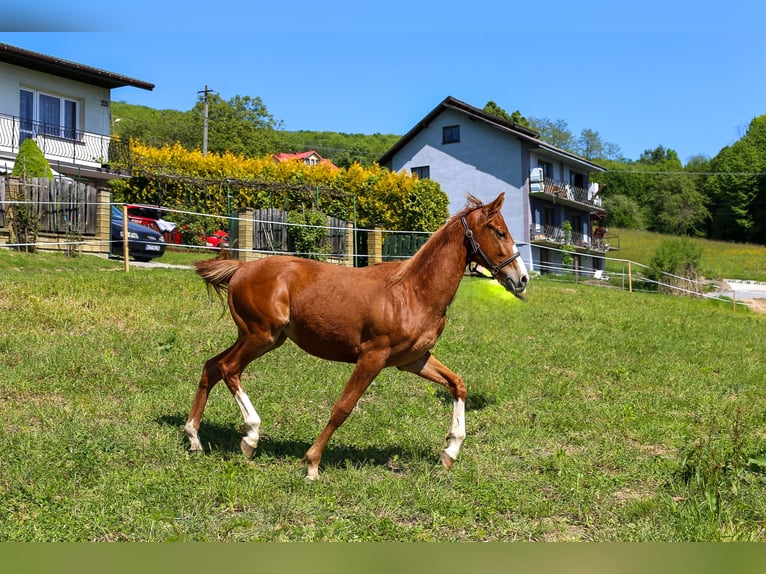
(683, 75)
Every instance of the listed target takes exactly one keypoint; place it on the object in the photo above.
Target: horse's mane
(424, 256)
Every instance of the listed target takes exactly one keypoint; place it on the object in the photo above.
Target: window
(47, 114)
(547, 168)
(576, 224)
(450, 134)
(423, 172)
(26, 114)
(548, 216)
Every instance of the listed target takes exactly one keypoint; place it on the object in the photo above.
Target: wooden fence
(270, 232)
(61, 205)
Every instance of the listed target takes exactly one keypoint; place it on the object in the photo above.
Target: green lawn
(593, 414)
(720, 259)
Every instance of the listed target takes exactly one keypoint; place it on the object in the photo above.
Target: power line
(642, 172)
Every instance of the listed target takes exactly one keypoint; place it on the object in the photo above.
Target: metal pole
(205, 92)
(125, 237)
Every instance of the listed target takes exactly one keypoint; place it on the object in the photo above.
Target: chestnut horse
(385, 315)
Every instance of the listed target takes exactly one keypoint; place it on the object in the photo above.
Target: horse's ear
(494, 207)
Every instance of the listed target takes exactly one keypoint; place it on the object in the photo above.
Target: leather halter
(475, 248)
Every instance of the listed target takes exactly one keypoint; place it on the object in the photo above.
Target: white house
(467, 150)
(64, 106)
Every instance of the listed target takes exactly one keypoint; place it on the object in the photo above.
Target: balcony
(64, 146)
(571, 195)
(551, 236)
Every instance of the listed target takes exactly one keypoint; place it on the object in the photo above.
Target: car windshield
(116, 213)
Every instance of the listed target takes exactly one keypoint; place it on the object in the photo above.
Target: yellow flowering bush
(177, 178)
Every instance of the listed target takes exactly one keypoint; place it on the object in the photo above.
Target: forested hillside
(242, 126)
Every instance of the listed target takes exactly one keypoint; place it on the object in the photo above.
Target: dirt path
(757, 305)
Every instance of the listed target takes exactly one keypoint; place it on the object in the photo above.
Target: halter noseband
(475, 248)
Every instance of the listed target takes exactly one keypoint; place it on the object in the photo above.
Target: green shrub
(23, 217)
(676, 265)
(567, 259)
(30, 162)
(307, 232)
(623, 211)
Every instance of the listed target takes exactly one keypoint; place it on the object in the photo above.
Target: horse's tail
(217, 273)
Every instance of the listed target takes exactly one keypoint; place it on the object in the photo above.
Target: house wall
(484, 163)
(561, 213)
(94, 102)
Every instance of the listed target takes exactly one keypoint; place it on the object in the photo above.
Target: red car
(151, 216)
(218, 240)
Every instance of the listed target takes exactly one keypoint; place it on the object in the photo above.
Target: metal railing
(570, 192)
(63, 144)
(554, 234)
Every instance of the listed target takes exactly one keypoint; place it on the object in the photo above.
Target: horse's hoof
(312, 476)
(247, 450)
(447, 460)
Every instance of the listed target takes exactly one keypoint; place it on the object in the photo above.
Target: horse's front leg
(430, 368)
(367, 368)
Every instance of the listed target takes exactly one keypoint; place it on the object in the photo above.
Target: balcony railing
(573, 193)
(60, 144)
(550, 234)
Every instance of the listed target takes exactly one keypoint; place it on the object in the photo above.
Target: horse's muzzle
(518, 288)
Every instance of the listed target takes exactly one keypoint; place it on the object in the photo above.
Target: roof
(66, 69)
(524, 133)
(302, 156)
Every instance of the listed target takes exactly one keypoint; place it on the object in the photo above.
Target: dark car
(143, 243)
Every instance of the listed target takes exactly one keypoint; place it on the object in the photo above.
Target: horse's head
(490, 244)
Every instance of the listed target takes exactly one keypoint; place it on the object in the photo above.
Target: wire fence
(617, 273)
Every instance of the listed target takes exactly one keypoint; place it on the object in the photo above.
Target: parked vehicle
(218, 240)
(144, 243)
(151, 216)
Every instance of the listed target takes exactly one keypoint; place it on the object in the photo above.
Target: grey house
(64, 106)
(466, 150)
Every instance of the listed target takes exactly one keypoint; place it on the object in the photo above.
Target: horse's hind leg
(430, 368)
(229, 366)
(210, 376)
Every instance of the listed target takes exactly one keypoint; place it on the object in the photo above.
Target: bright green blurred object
(485, 289)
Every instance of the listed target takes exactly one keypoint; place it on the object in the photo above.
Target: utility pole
(205, 92)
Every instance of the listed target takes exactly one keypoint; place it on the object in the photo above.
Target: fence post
(244, 239)
(375, 246)
(348, 246)
(103, 222)
(125, 252)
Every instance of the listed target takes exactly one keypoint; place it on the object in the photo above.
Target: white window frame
(62, 129)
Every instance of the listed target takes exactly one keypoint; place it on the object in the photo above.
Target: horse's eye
(500, 234)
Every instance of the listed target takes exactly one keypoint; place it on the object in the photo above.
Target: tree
(516, 117)
(154, 127)
(243, 125)
(623, 211)
(738, 195)
(590, 146)
(667, 159)
(679, 207)
(554, 132)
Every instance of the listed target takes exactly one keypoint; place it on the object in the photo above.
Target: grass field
(720, 259)
(593, 414)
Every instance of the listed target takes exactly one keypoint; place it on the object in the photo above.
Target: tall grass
(593, 414)
(720, 259)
